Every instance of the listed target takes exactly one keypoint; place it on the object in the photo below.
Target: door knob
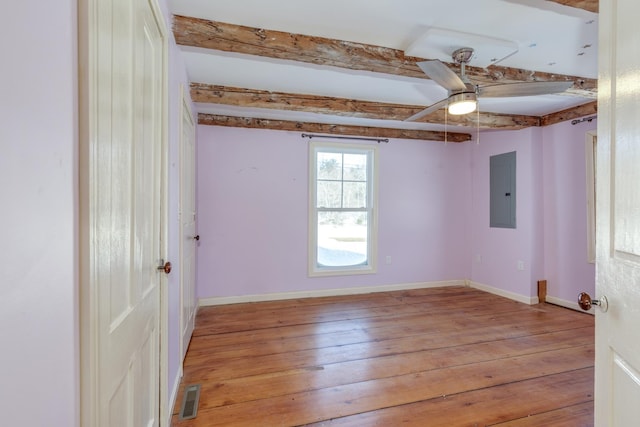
(196, 237)
(166, 267)
(585, 302)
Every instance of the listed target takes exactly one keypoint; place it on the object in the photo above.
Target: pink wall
(434, 213)
(565, 214)
(496, 251)
(551, 213)
(38, 153)
(252, 213)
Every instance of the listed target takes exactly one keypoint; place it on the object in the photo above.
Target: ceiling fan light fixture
(462, 103)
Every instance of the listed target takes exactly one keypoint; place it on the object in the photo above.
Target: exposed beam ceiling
(202, 33)
(588, 5)
(253, 98)
(573, 113)
(348, 107)
(218, 36)
(322, 128)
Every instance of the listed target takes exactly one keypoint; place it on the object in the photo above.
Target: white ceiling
(539, 35)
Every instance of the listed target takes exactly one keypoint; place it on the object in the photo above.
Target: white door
(618, 216)
(122, 144)
(188, 226)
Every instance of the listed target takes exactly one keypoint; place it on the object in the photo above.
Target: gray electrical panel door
(503, 190)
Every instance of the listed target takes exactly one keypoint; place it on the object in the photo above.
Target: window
(342, 214)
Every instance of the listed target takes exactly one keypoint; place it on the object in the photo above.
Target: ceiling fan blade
(441, 74)
(523, 89)
(430, 109)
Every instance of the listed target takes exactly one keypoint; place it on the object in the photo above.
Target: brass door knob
(166, 267)
(585, 302)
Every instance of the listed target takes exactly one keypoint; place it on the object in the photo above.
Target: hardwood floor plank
(287, 380)
(295, 316)
(522, 401)
(431, 328)
(306, 359)
(300, 326)
(579, 415)
(216, 320)
(357, 360)
(327, 403)
(340, 302)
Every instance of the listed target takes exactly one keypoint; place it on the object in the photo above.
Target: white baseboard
(384, 288)
(511, 295)
(567, 304)
(325, 293)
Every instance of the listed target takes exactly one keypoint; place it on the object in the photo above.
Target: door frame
(164, 405)
(591, 139)
(86, 299)
(184, 107)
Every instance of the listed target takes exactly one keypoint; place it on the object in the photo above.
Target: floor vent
(190, 400)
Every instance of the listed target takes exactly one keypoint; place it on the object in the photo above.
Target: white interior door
(618, 216)
(123, 127)
(188, 226)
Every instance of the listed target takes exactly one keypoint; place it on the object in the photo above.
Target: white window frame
(372, 209)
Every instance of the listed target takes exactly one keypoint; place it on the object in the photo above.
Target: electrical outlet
(521, 265)
(388, 260)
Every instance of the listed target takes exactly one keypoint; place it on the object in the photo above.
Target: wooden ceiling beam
(225, 95)
(588, 5)
(583, 110)
(202, 33)
(331, 129)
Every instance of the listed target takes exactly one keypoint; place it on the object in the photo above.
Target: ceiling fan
(463, 94)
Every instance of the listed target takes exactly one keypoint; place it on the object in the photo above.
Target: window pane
(342, 239)
(355, 195)
(355, 167)
(329, 194)
(329, 166)
(341, 180)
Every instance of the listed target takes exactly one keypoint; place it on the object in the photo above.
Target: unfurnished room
(337, 213)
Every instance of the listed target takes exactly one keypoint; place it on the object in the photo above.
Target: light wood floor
(450, 356)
